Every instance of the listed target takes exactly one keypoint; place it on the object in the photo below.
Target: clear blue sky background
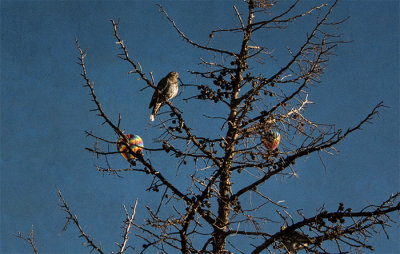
(44, 112)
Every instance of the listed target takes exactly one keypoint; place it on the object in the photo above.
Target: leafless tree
(212, 214)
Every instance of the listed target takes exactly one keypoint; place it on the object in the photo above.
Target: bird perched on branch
(167, 89)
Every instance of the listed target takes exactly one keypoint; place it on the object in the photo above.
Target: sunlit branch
(128, 224)
(293, 60)
(284, 163)
(277, 19)
(30, 239)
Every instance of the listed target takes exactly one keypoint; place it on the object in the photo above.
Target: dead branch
(30, 239)
(72, 217)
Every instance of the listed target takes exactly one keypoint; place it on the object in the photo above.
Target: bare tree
(211, 214)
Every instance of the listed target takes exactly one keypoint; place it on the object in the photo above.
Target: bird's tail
(154, 111)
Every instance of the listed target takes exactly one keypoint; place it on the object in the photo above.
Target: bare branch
(72, 217)
(128, 224)
(285, 162)
(190, 41)
(30, 239)
(383, 209)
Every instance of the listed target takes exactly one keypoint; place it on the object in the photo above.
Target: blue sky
(45, 111)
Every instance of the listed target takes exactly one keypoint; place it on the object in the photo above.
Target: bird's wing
(161, 87)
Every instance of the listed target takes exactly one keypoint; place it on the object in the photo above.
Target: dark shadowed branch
(72, 218)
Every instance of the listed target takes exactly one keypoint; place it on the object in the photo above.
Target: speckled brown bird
(167, 89)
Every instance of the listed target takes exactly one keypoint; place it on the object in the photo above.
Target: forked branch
(30, 239)
(72, 217)
(128, 224)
